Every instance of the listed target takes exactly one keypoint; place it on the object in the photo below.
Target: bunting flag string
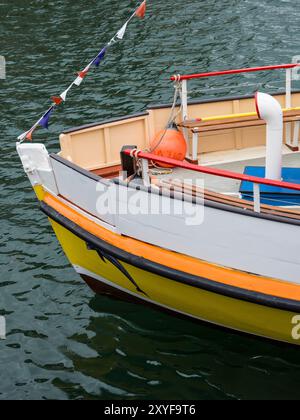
(57, 100)
(81, 75)
(65, 93)
(44, 121)
(140, 12)
(29, 133)
(96, 62)
(121, 33)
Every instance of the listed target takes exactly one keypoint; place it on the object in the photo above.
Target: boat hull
(105, 273)
(237, 269)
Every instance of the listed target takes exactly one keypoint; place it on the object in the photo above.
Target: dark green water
(63, 342)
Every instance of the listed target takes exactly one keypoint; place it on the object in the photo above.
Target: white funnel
(269, 109)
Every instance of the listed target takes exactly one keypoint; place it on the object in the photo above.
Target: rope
(172, 117)
(160, 170)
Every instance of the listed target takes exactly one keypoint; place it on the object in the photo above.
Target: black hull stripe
(169, 273)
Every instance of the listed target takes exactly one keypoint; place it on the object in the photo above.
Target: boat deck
(223, 185)
(232, 160)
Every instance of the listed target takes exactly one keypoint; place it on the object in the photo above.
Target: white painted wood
(145, 172)
(233, 240)
(256, 194)
(296, 134)
(86, 193)
(229, 156)
(87, 215)
(195, 142)
(37, 165)
(250, 244)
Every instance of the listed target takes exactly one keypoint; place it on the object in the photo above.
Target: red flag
(81, 76)
(57, 100)
(83, 73)
(29, 135)
(141, 11)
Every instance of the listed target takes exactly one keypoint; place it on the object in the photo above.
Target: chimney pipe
(269, 110)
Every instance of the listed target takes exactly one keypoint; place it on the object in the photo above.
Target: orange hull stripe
(183, 263)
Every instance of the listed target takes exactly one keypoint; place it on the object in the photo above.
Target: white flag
(82, 75)
(121, 33)
(64, 94)
(23, 136)
(78, 81)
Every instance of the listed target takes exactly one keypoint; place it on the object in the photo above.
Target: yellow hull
(240, 314)
(183, 299)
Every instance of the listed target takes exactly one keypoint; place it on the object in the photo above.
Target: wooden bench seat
(232, 123)
(197, 127)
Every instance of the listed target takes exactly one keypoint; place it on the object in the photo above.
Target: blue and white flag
(99, 57)
(44, 121)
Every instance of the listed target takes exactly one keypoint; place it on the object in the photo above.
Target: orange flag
(141, 11)
(29, 134)
(57, 100)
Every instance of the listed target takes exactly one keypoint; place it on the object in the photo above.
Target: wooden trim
(107, 143)
(105, 123)
(292, 148)
(224, 199)
(231, 123)
(111, 124)
(193, 162)
(109, 172)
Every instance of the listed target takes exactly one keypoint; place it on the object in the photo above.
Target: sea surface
(63, 342)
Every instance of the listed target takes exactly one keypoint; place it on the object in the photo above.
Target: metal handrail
(183, 81)
(180, 78)
(211, 171)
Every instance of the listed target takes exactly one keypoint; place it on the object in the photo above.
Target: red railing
(213, 172)
(226, 72)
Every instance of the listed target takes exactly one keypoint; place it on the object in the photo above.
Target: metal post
(288, 99)
(184, 99)
(256, 195)
(288, 104)
(145, 173)
(195, 143)
(296, 135)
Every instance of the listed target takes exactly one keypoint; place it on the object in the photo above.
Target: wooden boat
(230, 255)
